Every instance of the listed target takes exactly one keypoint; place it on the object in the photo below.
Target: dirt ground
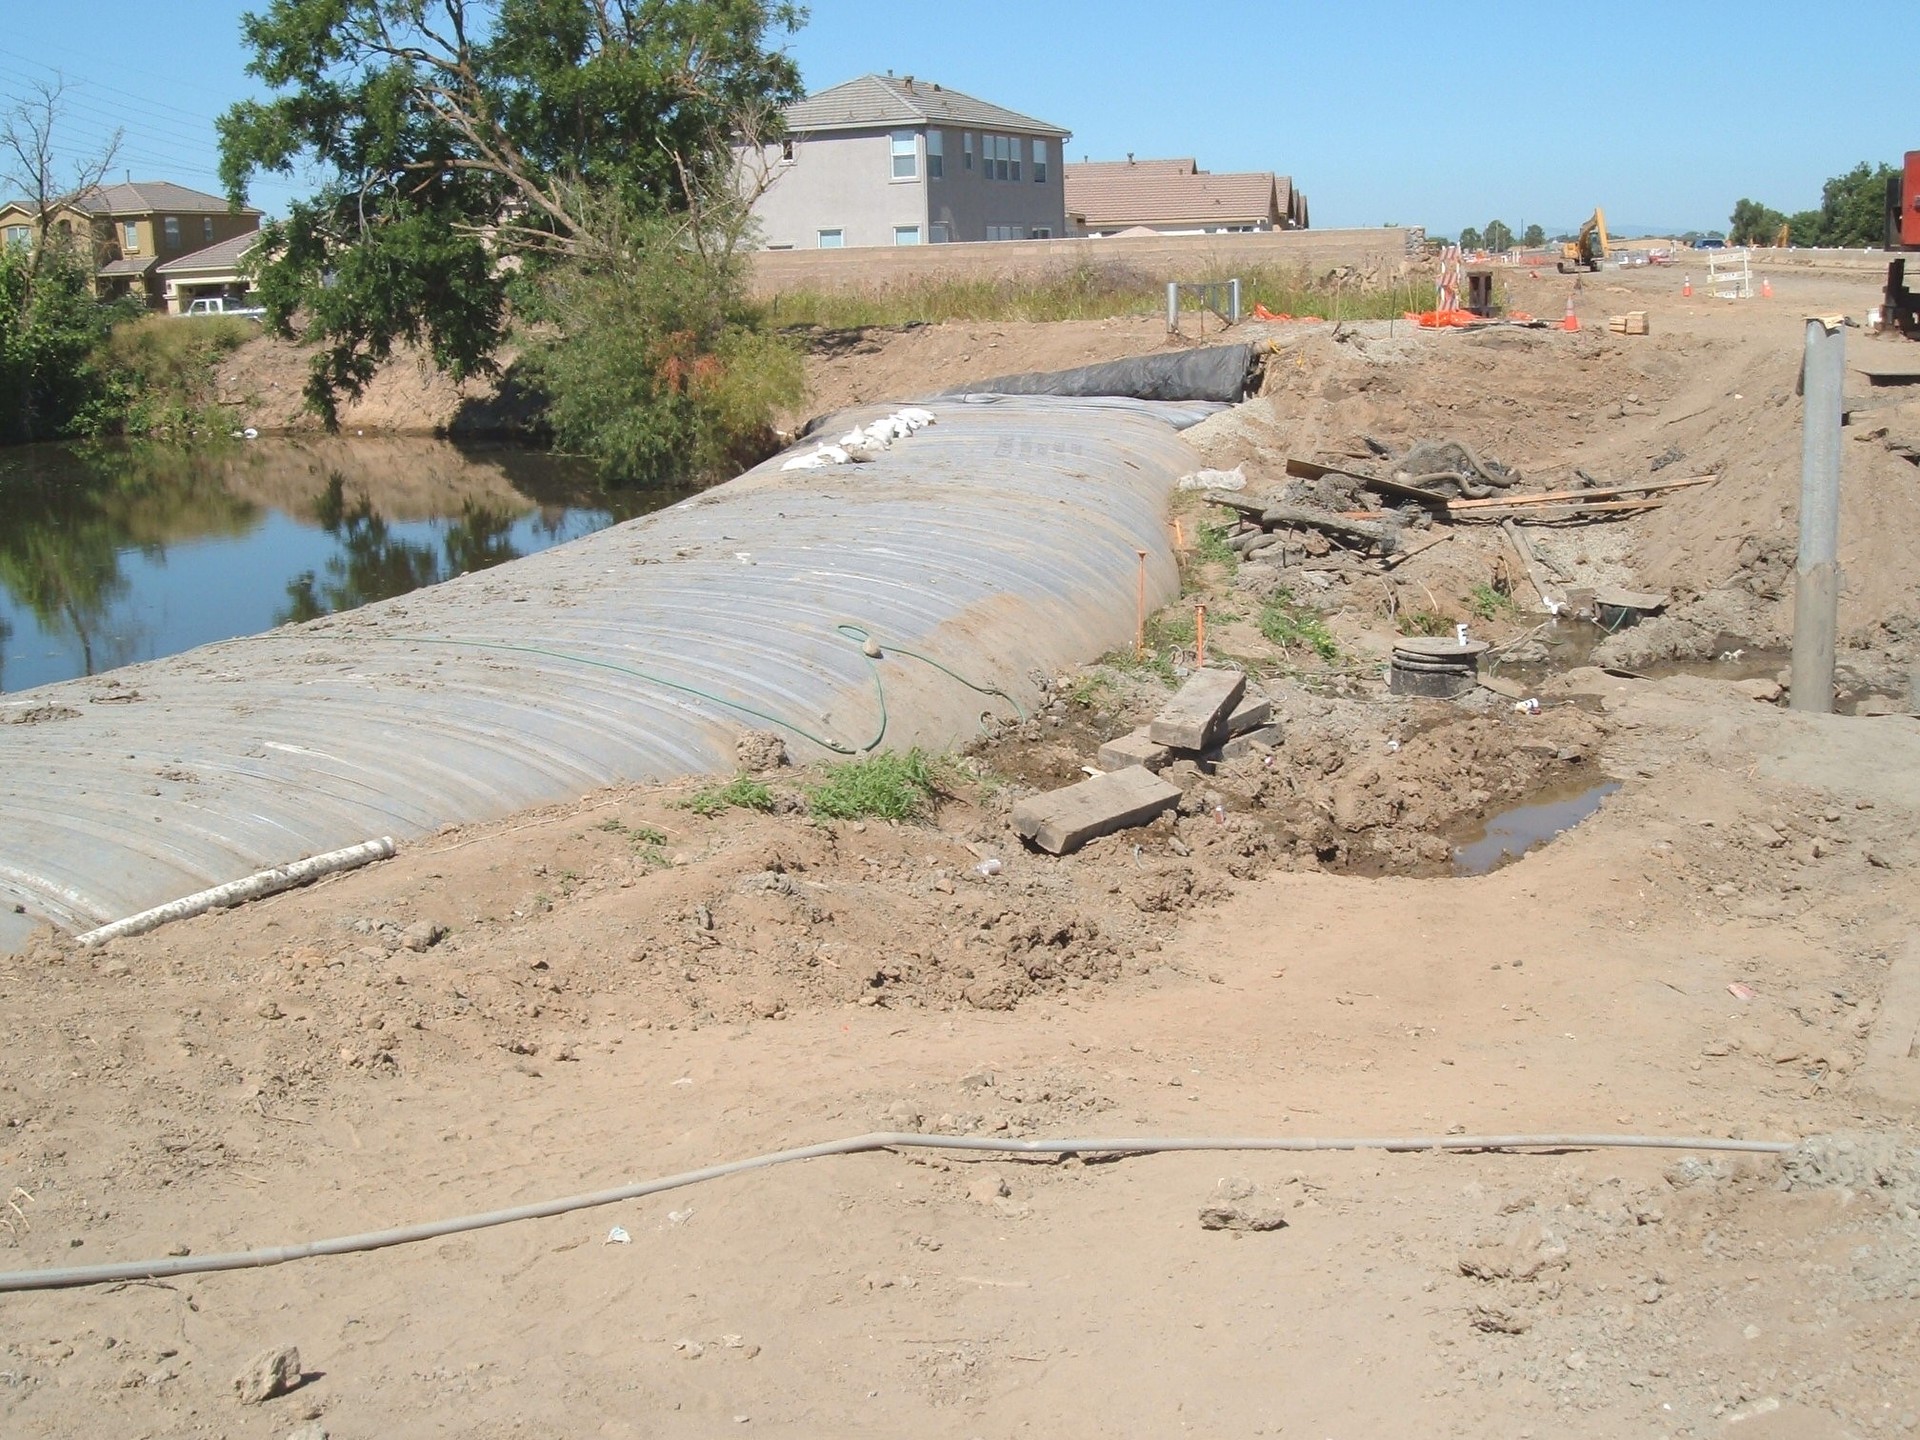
(624, 988)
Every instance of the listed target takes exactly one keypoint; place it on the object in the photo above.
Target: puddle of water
(119, 554)
(1509, 834)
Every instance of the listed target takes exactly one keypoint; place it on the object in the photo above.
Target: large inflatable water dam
(996, 545)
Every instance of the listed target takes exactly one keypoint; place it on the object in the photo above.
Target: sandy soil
(624, 988)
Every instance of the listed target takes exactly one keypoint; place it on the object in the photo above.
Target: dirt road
(627, 988)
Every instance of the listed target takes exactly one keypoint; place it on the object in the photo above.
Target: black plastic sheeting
(1217, 373)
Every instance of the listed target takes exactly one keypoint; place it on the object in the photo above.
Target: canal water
(118, 554)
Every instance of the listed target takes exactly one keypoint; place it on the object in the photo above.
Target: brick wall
(1169, 257)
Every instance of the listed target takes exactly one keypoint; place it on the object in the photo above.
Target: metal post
(1173, 307)
(1233, 300)
(1816, 576)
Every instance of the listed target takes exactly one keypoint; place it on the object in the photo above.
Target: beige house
(217, 270)
(899, 161)
(1177, 197)
(133, 230)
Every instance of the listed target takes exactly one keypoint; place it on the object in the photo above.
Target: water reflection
(114, 555)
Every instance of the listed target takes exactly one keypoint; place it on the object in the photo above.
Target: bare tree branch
(29, 153)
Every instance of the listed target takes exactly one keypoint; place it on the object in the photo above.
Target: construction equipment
(1901, 308)
(1784, 238)
(1587, 249)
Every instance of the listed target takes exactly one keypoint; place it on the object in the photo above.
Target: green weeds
(742, 792)
(1488, 603)
(888, 786)
(1291, 626)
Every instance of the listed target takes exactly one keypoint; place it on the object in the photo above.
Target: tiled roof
(874, 100)
(224, 256)
(1152, 193)
(148, 197)
(128, 265)
(1181, 165)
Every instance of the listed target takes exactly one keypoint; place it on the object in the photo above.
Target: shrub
(157, 376)
(655, 365)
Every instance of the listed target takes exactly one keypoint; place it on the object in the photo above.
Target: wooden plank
(1190, 718)
(1136, 748)
(1313, 470)
(1605, 492)
(1525, 552)
(1063, 820)
(1403, 555)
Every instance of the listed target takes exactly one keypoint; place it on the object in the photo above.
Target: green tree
(1535, 237)
(1853, 207)
(1805, 227)
(1498, 236)
(1754, 224)
(475, 144)
(49, 326)
(654, 364)
(1470, 239)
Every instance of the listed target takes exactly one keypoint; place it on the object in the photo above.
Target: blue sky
(1382, 110)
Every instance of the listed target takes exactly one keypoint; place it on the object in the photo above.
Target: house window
(130, 237)
(1002, 153)
(966, 150)
(936, 155)
(906, 234)
(786, 150)
(171, 226)
(906, 155)
(1040, 232)
(833, 239)
(942, 233)
(1039, 162)
(19, 236)
(1005, 232)
(206, 229)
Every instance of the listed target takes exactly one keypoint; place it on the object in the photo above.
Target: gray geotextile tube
(71, 1277)
(1218, 372)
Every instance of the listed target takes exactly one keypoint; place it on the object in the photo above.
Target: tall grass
(1090, 291)
(159, 376)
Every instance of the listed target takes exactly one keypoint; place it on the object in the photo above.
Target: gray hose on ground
(71, 1277)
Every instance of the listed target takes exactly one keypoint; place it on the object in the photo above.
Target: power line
(100, 84)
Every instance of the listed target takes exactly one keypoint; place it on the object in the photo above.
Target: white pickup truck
(223, 305)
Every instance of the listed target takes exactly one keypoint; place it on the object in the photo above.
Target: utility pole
(1816, 576)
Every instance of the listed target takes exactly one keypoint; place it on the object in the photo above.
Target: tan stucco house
(1177, 197)
(900, 161)
(134, 229)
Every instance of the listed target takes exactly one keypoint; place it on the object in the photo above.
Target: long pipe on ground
(74, 1276)
(237, 892)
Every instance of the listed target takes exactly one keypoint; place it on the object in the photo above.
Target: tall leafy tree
(1853, 207)
(1498, 236)
(1753, 223)
(468, 142)
(1535, 237)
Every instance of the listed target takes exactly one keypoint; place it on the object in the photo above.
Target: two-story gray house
(886, 161)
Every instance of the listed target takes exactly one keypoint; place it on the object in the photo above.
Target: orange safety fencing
(1260, 312)
(1462, 319)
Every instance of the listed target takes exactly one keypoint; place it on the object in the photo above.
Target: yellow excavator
(1587, 249)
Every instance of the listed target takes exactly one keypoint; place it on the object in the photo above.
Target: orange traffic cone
(1766, 288)
(1686, 285)
(1572, 322)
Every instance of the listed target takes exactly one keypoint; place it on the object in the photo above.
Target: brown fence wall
(1172, 257)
